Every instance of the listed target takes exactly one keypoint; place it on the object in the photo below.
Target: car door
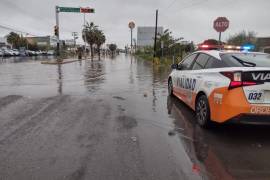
(194, 77)
(182, 80)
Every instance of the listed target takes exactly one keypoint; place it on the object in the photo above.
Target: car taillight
(236, 80)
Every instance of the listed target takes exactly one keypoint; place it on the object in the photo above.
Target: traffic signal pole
(57, 35)
(59, 9)
(155, 44)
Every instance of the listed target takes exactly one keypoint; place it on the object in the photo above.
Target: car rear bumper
(232, 104)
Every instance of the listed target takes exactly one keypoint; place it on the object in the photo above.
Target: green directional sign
(69, 9)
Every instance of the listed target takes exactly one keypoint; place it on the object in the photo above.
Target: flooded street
(113, 120)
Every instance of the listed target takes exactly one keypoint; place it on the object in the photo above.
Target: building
(3, 42)
(69, 42)
(263, 44)
(43, 41)
(146, 35)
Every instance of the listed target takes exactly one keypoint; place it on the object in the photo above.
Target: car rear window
(246, 60)
(215, 63)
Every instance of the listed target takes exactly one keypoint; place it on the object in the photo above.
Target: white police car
(221, 86)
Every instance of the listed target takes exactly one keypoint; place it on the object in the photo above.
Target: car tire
(170, 87)
(202, 110)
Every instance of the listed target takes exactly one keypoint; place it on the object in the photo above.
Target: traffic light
(56, 30)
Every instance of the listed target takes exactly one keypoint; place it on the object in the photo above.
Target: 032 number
(255, 96)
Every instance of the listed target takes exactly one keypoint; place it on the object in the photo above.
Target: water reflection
(94, 75)
(60, 79)
(21, 59)
(224, 152)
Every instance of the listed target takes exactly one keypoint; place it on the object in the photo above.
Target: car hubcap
(201, 111)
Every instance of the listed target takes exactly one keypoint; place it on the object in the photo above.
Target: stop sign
(131, 25)
(221, 24)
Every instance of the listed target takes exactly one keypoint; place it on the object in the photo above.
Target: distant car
(8, 52)
(221, 86)
(30, 53)
(15, 52)
(38, 52)
(50, 52)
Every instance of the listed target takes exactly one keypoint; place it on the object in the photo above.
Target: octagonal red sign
(221, 24)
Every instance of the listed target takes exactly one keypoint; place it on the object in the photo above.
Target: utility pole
(155, 45)
(84, 36)
(57, 34)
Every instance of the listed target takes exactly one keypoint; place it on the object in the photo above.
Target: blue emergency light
(248, 47)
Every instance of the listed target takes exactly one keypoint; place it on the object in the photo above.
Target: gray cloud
(191, 19)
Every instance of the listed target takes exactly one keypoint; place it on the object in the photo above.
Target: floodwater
(113, 119)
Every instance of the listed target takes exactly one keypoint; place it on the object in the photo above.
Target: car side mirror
(174, 66)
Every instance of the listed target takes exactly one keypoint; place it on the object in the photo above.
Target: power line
(172, 3)
(193, 4)
(35, 17)
(16, 30)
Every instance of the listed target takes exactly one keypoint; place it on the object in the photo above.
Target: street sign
(69, 9)
(87, 10)
(131, 25)
(76, 10)
(221, 24)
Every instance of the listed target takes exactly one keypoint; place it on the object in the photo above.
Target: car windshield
(246, 59)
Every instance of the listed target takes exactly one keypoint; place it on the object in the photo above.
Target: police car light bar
(225, 47)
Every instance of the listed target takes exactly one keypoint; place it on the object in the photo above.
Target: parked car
(30, 53)
(50, 53)
(15, 52)
(8, 52)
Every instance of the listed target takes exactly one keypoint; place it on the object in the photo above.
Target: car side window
(188, 62)
(200, 61)
(215, 63)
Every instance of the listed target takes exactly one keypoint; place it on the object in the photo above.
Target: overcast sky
(191, 19)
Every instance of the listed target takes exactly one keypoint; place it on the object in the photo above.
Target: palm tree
(89, 35)
(14, 39)
(113, 48)
(167, 39)
(100, 39)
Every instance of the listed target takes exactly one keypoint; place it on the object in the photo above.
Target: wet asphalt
(113, 120)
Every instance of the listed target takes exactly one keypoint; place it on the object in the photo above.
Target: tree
(100, 39)
(113, 48)
(242, 38)
(89, 35)
(167, 39)
(14, 39)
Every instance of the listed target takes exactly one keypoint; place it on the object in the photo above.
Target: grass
(165, 61)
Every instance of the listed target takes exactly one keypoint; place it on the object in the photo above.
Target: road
(112, 120)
